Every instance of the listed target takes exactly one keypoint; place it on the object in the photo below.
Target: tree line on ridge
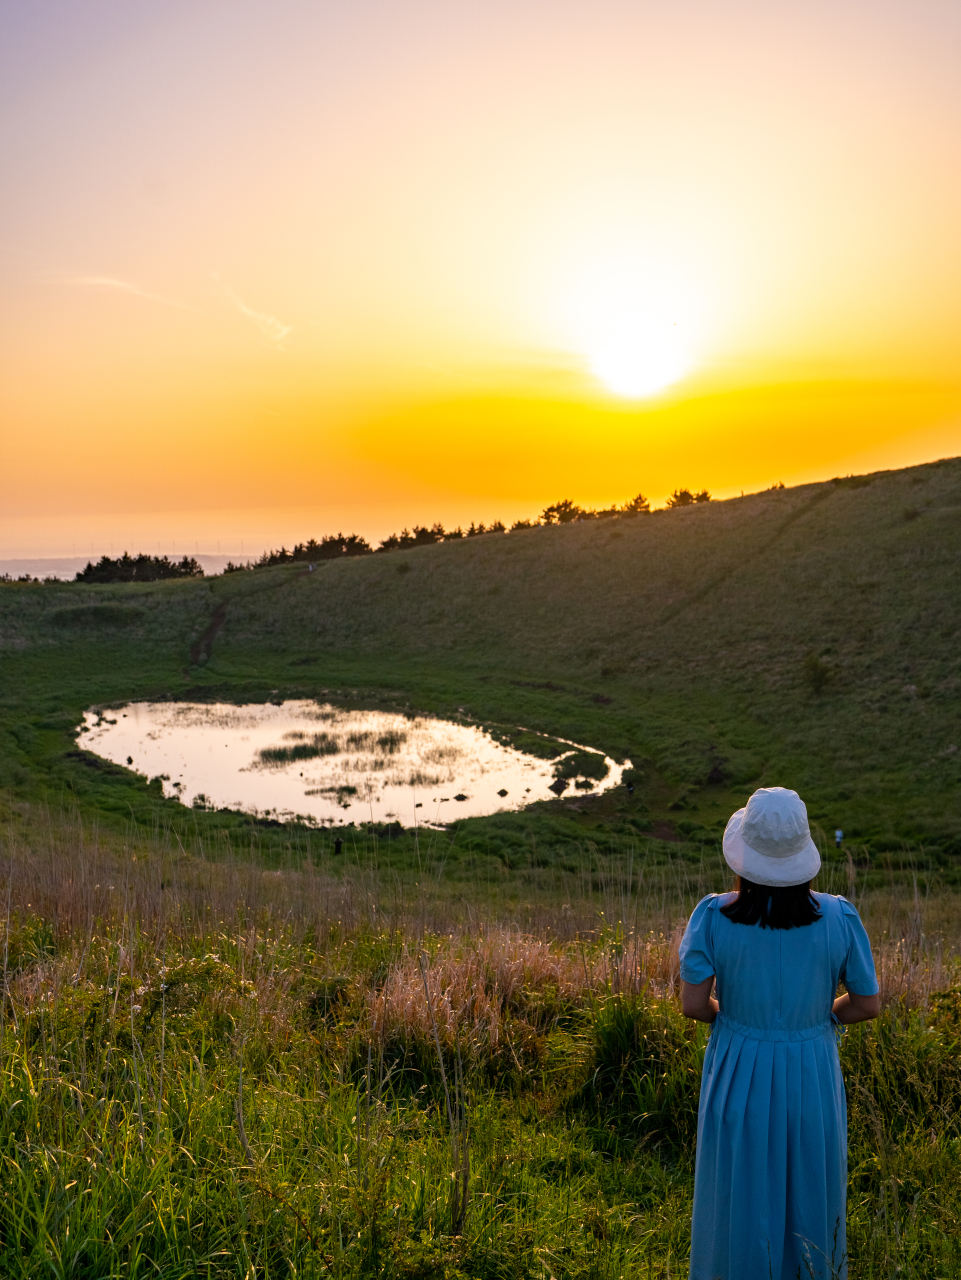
(141, 568)
(338, 546)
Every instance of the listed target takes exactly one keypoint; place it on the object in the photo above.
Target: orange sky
(269, 271)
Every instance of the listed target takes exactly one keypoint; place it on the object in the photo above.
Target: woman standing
(770, 1185)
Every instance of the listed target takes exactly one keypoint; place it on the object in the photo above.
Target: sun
(636, 362)
(634, 327)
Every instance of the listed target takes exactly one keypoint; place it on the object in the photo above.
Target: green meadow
(229, 1050)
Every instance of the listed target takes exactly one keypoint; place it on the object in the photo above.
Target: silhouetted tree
(685, 498)
(637, 506)
(563, 512)
(141, 568)
(424, 537)
(333, 547)
(283, 556)
(680, 498)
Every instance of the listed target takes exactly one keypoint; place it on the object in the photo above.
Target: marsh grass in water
(319, 744)
(271, 758)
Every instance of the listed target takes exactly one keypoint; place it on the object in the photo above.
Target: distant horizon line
(180, 547)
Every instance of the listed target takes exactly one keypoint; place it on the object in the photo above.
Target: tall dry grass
(497, 975)
(257, 1050)
(490, 956)
(479, 986)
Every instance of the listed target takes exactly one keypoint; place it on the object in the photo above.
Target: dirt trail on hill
(742, 561)
(202, 645)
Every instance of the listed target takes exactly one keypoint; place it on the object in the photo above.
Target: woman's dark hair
(776, 907)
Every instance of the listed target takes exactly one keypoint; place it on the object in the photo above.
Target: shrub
(647, 1060)
(582, 764)
(817, 674)
(25, 942)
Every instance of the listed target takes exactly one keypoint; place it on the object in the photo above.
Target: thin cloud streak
(124, 286)
(268, 325)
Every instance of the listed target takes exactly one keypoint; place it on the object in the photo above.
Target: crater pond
(324, 764)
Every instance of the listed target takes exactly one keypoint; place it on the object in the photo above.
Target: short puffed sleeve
(697, 945)
(857, 973)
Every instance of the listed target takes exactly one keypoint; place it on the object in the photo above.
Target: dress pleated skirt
(771, 1177)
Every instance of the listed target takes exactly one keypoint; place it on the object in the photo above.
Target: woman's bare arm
(697, 1001)
(854, 1008)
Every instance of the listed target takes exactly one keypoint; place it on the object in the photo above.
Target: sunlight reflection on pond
(322, 764)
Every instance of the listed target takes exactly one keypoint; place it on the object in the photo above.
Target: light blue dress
(770, 1185)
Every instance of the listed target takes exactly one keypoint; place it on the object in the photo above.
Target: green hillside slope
(809, 637)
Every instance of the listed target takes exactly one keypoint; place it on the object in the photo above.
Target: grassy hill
(808, 637)
(219, 1048)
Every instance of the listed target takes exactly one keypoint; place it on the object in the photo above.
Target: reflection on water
(321, 763)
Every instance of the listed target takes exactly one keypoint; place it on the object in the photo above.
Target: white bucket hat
(769, 841)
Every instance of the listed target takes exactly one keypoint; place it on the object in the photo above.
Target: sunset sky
(271, 270)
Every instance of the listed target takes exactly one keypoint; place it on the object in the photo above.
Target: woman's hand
(854, 1008)
(697, 1001)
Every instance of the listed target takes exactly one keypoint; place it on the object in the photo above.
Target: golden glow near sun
(634, 327)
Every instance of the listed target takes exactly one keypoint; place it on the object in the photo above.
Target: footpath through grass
(213, 1068)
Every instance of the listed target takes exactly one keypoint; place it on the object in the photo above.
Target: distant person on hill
(838, 837)
(770, 1182)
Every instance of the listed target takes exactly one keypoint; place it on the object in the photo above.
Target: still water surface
(322, 763)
